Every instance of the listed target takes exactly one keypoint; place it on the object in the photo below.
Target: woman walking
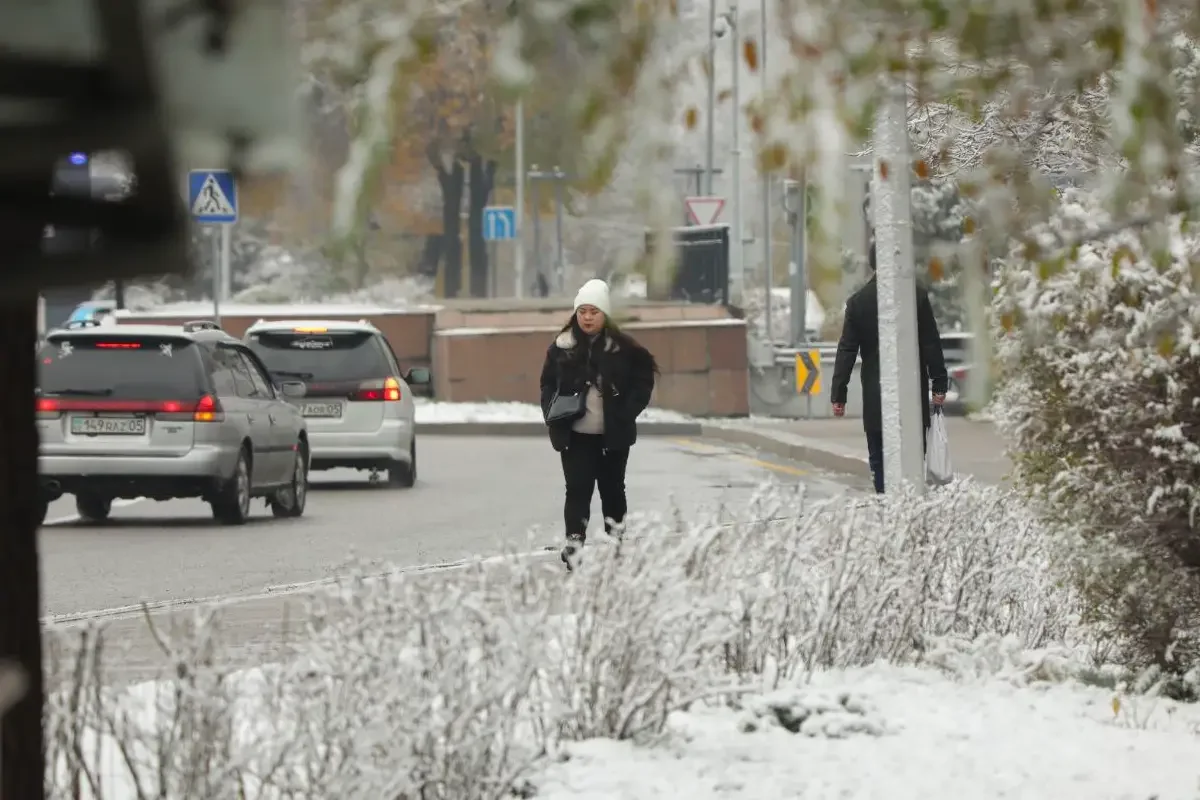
(595, 382)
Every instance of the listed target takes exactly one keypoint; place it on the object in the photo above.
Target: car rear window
(322, 357)
(122, 367)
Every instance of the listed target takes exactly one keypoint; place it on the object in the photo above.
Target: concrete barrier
(482, 351)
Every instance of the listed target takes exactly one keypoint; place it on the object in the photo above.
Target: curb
(539, 429)
(791, 448)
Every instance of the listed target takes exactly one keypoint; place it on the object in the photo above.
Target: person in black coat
(610, 377)
(860, 334)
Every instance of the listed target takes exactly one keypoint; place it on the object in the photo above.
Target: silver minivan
(358, 403)
(164, 411)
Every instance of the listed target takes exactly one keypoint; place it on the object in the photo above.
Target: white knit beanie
(594, 293)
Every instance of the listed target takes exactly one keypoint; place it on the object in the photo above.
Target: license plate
(108, 426)
(322, 409)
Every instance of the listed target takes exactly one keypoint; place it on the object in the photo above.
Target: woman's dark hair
(614, 331)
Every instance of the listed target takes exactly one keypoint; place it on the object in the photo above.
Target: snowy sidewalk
(835, 444)
(838, 444)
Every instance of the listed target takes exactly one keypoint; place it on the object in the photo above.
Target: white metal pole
(899, 368)
(519, 212)
(736, 274)
(768, 272)
(710, 122)
(226, 269)
(218, 254)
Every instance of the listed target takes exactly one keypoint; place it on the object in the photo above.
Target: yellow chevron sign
(808, 372)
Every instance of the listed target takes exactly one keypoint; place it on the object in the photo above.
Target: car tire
(93, 507)
(401, 475)
(291, 500)
(231, 503)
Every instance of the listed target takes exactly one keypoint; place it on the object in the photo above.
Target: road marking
(757, 462)
(76, 517)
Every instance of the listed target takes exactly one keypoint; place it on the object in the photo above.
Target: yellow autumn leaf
(1116, 705)
(750, 53)
(1165, 346)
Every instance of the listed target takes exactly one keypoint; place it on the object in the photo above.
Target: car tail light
(386, 390)
(119, 345)
(206, 409)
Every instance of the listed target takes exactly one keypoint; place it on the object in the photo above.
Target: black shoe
(570, 553)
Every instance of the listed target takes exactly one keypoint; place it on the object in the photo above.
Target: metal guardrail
(956, 347)
(787, 355)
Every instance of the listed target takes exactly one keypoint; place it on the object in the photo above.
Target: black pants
(588, 465)
(875, 455)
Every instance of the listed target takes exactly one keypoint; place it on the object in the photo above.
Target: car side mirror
(418, 376)
(293, 389)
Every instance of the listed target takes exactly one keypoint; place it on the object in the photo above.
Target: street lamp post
(736, 276)
(768, 272)
(709, 146)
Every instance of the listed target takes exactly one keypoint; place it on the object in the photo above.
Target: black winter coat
(860, 334)
(626, 372)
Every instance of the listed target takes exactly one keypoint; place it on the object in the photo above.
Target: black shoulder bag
(565, 407)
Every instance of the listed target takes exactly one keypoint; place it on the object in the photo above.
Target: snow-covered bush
(454, 684)
(1100, 352)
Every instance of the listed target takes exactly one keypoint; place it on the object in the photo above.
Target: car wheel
(401, 475)
(291, 500)
(231, 504)
(93, 507)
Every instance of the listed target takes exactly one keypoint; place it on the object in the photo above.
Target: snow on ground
(430, 412)
(882, 731)
(900, 733)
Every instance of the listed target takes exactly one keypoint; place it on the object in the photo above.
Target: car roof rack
(200, 325)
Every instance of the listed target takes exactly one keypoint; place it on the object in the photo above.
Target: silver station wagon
(165, 411)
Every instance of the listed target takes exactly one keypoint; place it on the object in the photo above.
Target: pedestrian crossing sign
(212, 196)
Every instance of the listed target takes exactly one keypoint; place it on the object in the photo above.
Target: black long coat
(860, 335)
(626, 371)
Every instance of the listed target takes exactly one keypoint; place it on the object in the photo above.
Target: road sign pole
(519, 244)
(794, 203)
(212, 197)
(899, 367)
(226, 262)
(561, 267)
(537, 229)
(217, 253)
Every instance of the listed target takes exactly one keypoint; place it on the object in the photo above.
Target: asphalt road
(475, 497)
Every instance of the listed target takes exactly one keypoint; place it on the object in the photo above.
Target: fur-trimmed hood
(566, 341)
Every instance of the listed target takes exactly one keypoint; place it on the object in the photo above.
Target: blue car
(92, 309)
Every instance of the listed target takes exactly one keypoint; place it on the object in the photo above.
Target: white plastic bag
(938, 469)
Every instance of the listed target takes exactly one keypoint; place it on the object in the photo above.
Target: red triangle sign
(704, 210)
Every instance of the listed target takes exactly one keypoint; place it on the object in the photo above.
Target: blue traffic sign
(499, 223)
(212, 196)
